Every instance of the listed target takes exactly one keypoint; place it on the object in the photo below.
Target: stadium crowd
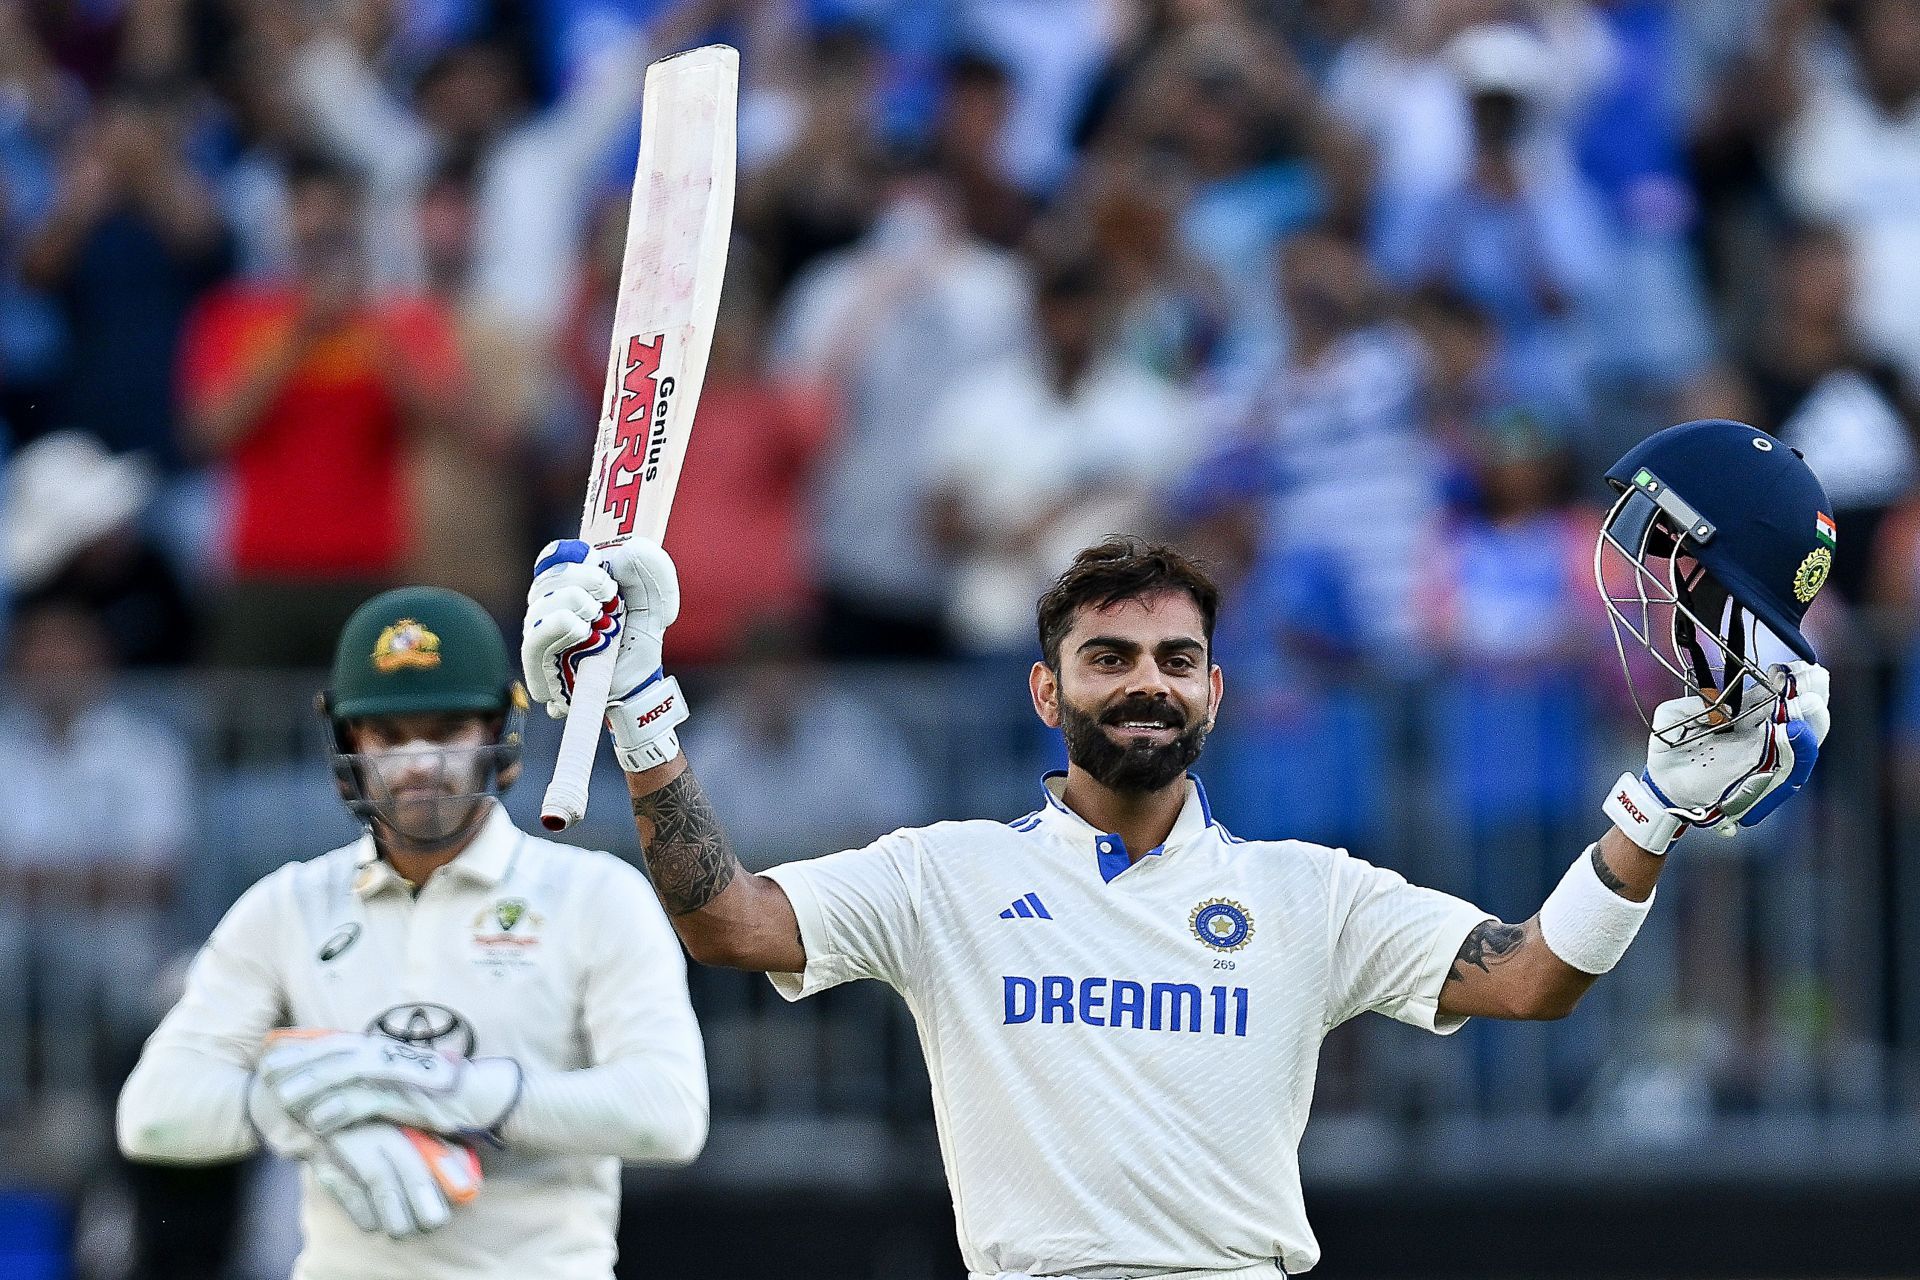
(1349, 293)
(1354, 297)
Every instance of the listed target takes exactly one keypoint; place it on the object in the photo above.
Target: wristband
(1587, 924)
(643, 721)
(1637, 809)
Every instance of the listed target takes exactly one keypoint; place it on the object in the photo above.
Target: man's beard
(436, 811)
(1137, 767)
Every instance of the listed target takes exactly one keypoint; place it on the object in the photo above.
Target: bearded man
(1121, 1004)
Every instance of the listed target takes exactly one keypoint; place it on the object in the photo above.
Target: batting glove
(334, 1081)
(385, 1178)
(581, 603)
(1735, 777)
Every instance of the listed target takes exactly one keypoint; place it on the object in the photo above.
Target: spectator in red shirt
(740, 531)
(307, 388)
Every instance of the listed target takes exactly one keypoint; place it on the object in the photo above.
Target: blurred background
(1355, 298)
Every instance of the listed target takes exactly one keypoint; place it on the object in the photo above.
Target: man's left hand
(1737, 776)
(335, 1080)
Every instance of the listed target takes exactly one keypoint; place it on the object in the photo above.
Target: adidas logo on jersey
(1027, 908)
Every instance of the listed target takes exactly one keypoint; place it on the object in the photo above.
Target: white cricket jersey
(557, 957)
(1123, 1056)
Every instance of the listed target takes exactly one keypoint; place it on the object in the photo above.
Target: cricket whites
(676, 254)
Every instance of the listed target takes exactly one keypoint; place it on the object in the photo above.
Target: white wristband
(1587, 924)
(643, 723)
(1640, 815)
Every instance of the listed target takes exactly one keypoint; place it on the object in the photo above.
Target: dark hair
(975, 68)
(307, 166)
(1067, 277)
(482, 49)
(1121, 568)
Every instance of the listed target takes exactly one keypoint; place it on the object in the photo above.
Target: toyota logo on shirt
(431, 1026)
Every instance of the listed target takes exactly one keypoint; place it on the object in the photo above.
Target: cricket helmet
(420, 650)
(1719, 535)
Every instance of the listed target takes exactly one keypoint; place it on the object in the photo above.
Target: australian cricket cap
(419, 649)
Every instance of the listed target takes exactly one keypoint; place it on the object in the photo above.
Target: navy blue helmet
(1725, 533)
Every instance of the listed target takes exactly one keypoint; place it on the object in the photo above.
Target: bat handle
(566, 799)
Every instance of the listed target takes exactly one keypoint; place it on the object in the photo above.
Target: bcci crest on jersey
(1222, 924)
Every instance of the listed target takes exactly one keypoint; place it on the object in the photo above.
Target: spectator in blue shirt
(1522, 234)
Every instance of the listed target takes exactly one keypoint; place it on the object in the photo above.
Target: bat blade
(676, 254)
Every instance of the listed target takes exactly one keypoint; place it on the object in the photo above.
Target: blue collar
(1109, 850)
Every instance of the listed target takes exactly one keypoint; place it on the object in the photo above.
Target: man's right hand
(580, 603)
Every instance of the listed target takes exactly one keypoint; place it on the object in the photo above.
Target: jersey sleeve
(859, 914)
(643, 1096)
(1393, 945)
(186, 1101)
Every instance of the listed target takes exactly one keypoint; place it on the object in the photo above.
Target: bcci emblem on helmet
(1813, 571)
(1812, 574)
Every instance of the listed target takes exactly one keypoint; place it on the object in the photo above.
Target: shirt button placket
(422, 924)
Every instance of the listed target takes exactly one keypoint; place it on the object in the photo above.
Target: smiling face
(1134, 692)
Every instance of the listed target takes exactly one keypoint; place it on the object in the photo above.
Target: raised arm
(1732, 776)
(1509, 971)
(724, 914)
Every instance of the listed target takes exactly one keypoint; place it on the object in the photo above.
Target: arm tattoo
(1490, 943)
(686, 851)
(1605, 872)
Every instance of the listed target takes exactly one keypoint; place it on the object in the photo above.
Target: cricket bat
(676, 254)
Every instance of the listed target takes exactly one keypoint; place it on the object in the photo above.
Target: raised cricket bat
(677, 229)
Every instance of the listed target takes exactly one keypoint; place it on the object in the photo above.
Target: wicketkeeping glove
(1735, 777)
(396, 1180)
(385, 1177)
(335, 1081)
(583, 601)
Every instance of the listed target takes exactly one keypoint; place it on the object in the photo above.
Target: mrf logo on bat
(640, 430)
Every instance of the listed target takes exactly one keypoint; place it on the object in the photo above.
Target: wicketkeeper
(458, 1029)
(1120, 1002)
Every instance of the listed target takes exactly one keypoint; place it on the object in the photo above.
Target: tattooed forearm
(1490, 943)
(686, 851)
(1605, 872)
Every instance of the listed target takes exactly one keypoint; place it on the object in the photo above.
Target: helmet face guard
(365, 787)
(1650, 565)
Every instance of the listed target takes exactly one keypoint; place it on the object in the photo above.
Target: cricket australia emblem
(506, 935)
(406, 644)
(1222, 923)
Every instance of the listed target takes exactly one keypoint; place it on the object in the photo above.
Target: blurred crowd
(1353, 297)
(304, 298)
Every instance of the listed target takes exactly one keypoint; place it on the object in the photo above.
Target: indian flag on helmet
(1823, 528)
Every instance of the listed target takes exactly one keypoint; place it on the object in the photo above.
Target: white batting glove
(1734, 777)
(385, 1178)
(399, 1181)
(333, 1082)
(582, 601)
